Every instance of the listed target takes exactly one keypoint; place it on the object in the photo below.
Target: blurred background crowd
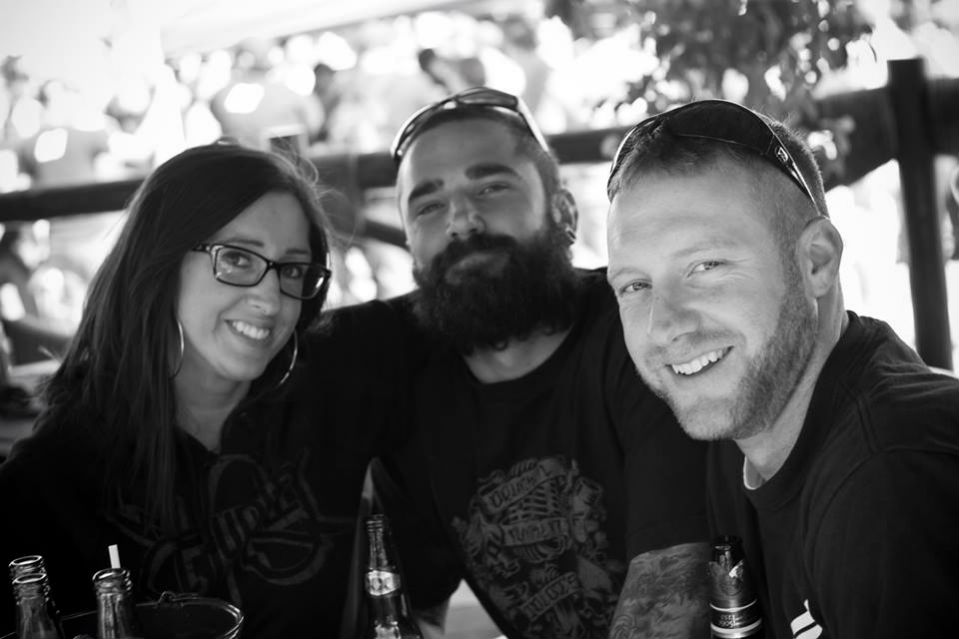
(99, 90)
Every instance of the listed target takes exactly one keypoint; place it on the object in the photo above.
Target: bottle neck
(379, 558)
(115, 610)
(112, 581)
(30, 592)
(35, 616)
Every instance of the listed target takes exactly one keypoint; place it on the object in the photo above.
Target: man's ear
(820, 252)
(564, 212)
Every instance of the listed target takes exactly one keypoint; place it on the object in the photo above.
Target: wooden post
(914, 150)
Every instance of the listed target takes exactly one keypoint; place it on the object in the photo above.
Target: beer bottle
(116, 613)
(35, 616)
(733, 607)
(390, 616)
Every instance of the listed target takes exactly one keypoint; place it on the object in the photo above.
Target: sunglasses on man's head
(720, 121)
(475, 98)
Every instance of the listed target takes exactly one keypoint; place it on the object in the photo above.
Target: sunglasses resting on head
(475, 98)
(720, 121)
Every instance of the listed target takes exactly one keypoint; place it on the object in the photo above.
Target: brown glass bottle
(733, 607)
(116, 612)
(390, 616)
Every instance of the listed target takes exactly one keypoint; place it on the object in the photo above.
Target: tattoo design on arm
(665, 595)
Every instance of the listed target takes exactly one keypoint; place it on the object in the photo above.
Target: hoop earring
(179, 362)
(289, 369)
(570, 234)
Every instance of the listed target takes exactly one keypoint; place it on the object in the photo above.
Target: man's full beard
(482, 308)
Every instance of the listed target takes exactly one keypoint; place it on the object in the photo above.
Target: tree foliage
(780, 49)
(766, 54)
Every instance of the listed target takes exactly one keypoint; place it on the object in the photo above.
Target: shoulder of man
(365, 325)
(880, 393)
(599, 332)
(887, 414)
(598, 312)
(365, 353)
(878, 534)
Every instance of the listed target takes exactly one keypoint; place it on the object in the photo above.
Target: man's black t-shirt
(267, 523)
(547, 485)
(857, 535)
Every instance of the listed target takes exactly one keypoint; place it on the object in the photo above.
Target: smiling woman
(184, 424)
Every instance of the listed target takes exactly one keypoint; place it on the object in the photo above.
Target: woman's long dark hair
(115, 384)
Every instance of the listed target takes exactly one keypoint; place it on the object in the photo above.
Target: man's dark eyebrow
(489, 168)
(424, 188)
(475, 172)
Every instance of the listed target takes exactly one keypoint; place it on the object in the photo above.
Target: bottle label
(733, 623)
(380, 583)
(734, 609)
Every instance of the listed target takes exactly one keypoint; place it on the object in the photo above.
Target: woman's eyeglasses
(238, 266)
(720, 121)
(477, 97)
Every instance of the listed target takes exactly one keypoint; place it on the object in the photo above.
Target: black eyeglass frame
(213, 250)
(774, 151)
(473, 98)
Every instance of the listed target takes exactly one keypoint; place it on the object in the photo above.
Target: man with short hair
(543, 461)
(835, 453)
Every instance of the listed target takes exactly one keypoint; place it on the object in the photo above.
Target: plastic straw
(114, 556)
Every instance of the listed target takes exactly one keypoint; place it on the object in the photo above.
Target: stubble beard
(769, 382)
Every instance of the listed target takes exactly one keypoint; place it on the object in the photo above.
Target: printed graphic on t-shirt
(536, 545)
(263, 526)
(804, 626)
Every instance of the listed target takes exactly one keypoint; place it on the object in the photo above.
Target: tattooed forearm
(664, 595)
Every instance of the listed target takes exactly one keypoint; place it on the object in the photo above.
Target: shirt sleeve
(664, 467)
(430, 565)
(361, 363)
(884, 559)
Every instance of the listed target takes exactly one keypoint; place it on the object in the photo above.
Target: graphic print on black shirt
(263, 527)
(535, 544)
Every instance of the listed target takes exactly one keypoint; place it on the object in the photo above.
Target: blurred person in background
(256, 108)
(328, 92)
(472, 71)
(520, 44)
(22, 112)
(196, 421)
(67, 148)
(197, 84)
(442, 71)
(33, 334)
(541, 466)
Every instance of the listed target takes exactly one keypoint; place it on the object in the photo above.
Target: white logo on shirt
(804, 626)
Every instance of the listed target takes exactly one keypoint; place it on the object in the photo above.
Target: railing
(911, 119)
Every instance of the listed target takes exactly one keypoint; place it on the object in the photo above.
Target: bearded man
(540, 460)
